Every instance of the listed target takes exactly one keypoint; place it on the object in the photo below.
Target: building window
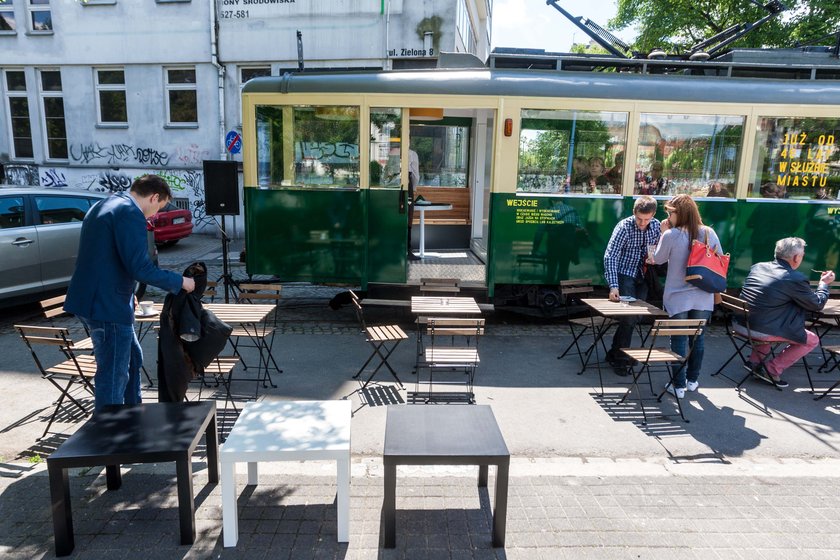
(7, 17)
(465, 27)
(53, 105)
(250, 73)
(40, 16)
(181, 96)
(18, 104)
(110, 96)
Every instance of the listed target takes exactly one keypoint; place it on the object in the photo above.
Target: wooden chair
(573, 291)
(833, 360)
(740, 334)
(54, 307)
(446, 353)
(383, 338)
(662, 356)
(440, 286)
(259, 336)
(219, 372)
(210, 291)
(71, 374)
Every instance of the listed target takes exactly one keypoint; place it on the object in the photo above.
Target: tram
(534, 166)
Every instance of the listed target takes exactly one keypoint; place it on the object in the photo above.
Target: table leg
(482, 476)
(500, 509)
(186, 503)
(113, 478)
(253, 474)
(343, 498)
(212, 441)
(422, 233)
(230, 516)
(61, 513)
(389, 506)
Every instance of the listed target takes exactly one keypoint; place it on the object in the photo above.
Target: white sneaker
(692, 385)
(678, 392)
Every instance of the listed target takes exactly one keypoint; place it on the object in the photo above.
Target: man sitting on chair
(779, 298)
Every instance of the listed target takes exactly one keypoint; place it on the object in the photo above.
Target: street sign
(233, 142)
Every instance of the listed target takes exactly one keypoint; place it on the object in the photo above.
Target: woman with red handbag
(683, 300)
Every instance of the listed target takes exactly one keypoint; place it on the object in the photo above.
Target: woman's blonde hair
(687, 215)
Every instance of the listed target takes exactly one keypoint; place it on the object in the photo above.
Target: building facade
(98, 92)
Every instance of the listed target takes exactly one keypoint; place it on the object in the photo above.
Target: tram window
(688, 154)
(385, 127)
(308, 146)
(571, 151)
(797, 158)
(443, 151)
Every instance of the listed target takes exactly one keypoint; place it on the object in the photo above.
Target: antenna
(597, 33)
(732, 34)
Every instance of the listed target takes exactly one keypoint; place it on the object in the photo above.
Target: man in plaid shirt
(623, 262)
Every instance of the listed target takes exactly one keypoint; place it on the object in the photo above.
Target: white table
(422, 208)
(287, 431)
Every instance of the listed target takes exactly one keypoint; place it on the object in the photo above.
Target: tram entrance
(451, 195)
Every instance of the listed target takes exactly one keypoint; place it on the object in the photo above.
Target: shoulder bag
(706, 269)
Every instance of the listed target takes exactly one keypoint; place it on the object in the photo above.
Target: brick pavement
(443, 515)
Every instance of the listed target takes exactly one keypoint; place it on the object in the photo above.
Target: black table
(444, 435)
(145, 433)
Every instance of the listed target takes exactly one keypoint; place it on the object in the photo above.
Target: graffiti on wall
(22, 175)
(191, 155)
(111, 154)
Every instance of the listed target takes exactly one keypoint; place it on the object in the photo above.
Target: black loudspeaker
(221, 188)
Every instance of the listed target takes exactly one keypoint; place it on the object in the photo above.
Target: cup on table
(651, 250)
(147, 307)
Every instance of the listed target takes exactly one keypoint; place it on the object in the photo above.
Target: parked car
(39, 240)
(171, 224)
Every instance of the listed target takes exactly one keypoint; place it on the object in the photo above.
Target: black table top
(443, 431)
(153, 431)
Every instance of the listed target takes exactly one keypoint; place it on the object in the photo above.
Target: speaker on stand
(221, 198)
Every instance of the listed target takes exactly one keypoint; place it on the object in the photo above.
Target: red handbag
(706, 269)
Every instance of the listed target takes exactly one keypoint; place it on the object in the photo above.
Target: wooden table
(287, 431)
(444, 435)
(613, 310)
(144, 433)
(435, 305)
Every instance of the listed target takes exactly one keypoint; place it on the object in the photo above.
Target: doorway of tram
(449, 226)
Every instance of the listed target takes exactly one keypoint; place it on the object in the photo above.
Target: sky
(534, 24)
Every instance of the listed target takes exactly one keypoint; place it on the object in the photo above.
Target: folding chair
(54, 307)
(219, 371)
(440, 286)
(71, 375)
(662, 356)
(833, 359)
(259, 336)
(440, 357)
(379, 337)
(571, 291)
(210, 291)
(741, 336)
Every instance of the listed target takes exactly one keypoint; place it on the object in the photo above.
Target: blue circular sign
(233, 142)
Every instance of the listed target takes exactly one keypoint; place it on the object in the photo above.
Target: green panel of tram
(387, 233)
(306, 235)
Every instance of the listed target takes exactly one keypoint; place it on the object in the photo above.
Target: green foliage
(676, 25)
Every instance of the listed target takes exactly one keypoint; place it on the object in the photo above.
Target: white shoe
(678, 392)
(691, 386)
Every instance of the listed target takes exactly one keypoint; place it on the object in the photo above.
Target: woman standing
(681, 299)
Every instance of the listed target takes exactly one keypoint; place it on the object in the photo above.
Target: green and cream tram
(535, 168)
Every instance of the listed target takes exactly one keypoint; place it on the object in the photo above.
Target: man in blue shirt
(623, 268)
(113, 255)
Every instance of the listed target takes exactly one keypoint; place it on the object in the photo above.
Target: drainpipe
(387, 65)
(220, 72)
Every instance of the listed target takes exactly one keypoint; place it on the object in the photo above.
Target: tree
(676, 25)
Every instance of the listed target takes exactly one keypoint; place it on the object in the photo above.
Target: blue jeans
(118, 360)
(627, 286)
(679, 343)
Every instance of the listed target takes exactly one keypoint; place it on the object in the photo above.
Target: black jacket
(779, 299)
(190, 338)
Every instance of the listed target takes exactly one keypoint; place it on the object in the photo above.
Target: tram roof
(550, 83)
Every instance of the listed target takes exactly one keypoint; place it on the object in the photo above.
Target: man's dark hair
(146, 185)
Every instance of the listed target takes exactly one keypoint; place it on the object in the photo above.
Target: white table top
(290, 426)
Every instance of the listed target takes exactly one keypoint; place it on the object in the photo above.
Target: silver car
(39, 240)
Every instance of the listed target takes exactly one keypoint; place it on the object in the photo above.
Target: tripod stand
(226, 277)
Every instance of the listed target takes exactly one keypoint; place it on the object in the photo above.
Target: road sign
(233, 142)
